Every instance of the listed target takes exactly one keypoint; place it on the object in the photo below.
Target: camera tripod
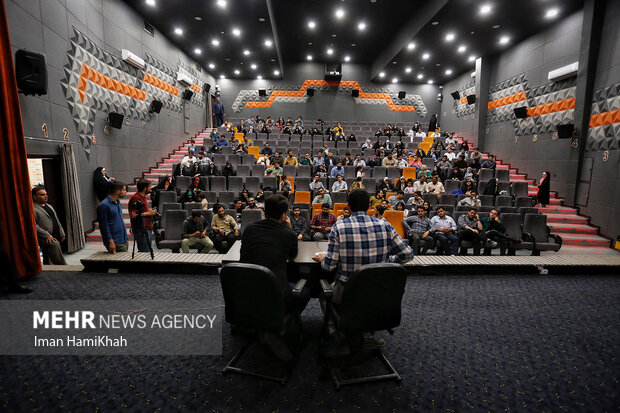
(138, 234)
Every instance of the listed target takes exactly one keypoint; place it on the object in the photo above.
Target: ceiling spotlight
(504, 40)
(394, 80)
(485, 9)
(449, 72)
(237, 71)
(450, 37)
(268, 43)
(330, 51)
(347, 58)
(461, 48)
(426, 56)
(311, 24)
(361, 26)
(259, 77)
(236, 32)
(178, 31)
(211, 66)
(411, 46)
(221, 3)
(408, 70)
(253, 66)
(246, 52)
(340, 13)
(222, 77)
(197, 51)
(197, 18)
(150, 3)
(551, 13)
(276, 72)
(382, 74)
(420, 76)
(215, 42)
(430, 81)
(471, 58)
(309, 57)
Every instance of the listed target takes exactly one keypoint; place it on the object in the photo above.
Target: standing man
(49, 230)
(218, 112)
(110, 217)
(225, 228)
(139, 204)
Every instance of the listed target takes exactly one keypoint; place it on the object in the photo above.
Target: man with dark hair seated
(354, 242)
(444, 229)
(195, 233)
(495, 231)
(470, 229)
(225, 228)
(418, 228)
(322, 223)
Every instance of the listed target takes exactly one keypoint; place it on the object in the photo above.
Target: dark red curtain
(17, 233)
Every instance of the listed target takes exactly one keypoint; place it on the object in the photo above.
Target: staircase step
(557, 210)
(566, 218)
(570, 228)
(583, 239)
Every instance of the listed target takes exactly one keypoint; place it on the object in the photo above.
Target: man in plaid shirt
(322, 222)
(418, 229)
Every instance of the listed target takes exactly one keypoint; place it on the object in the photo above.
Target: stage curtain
(18, 234)
(71, 194)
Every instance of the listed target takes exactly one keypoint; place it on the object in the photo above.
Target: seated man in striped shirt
(354, 242)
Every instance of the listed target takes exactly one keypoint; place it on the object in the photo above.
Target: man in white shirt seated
(435, 186)
(420, 185)
(444, 230)
(420, 134)
(471, 200)
(450, 155)
(451, 139)
(359, 161)
(187, 162)
(339, 184)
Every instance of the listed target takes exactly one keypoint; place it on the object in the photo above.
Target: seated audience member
(285, 184)
(376, 199)
(495, 231)
(244, 195)
(319, 159)
(225, 229)
(374, 161)
(262, 160)
(290, 159)
(187, 163)
(357, 184)
(50, 232)
(470, 229)
(460, 162)
(467, 186)
(331, 160)
(444, 229)
(346, 213)
(228, 170)
(451, 139)
(316, 131)
(300, 226)
(222, 142)
(102, 183)
(339, 184)
(241, 149)
(276, 158)
(191, 192)
(424, 172)
(409, 187)
(471, 200)
(489, 163)
(321, 171)
(380, 211)
(427, 207)
(469, 174)
(420, 134)
(396, 199)
(214, 135)
(358, 161)
(202, 198)
(456, 174)
(400, 162)
(266, 150)
(337, 170)
(378, 133)
(435, 187)
(416, 162)
(237, 205)
(450, 155)
(316, 183)
(347, 160)
(166, 183)
(443, 163)
(212, 170)
(260, 196)
(322, 197)
(366, 145)
(462, 152)
(475, 154)
(416, 199)
(401, 184)
(306, 160)
(203, 162)
(387, 131)
(420, 185)
(400, 206)
(195, 233)
(352, 138)
(491, 187)
(389, 161)
(322, 223)
(274, 170)
(475, 165)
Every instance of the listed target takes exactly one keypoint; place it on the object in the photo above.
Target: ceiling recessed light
(353, 45)
(408, 70)
(268, 43)
(426, 56)
(228, 59)
(309, 57)
(197, 51)
(361, 26)
(311, 24)
(261, 19)
(259, 77)
(420, 76)
(394, 80)
(178, 31)
(309, 43)
(222, 77)
(246, 52)
(236, 32)
(347, 58)
(471, 58)
(211, 66)
(435, 23)
(461, 48)
(330, 51)
(221, 3)
(449, 72)
(438, 64)
(340, 13)
(504, 40)
(496, 26)
(429, 81)
(253, 66)
(450, 37)
(272, 60)
(394, 62)
(485, 9)
(215, 42)
(382, 74)
(197, 18)
(551, 13)
(237, 71)
(411, 46)
(333, 35)
(276, 72)
(150, 3)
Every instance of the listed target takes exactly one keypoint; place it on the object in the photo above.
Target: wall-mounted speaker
(521, 112)
(456, 95)
(207, 87)
(565, 131)
(156, 106)
(471, 99)
(115, 120)
(355, 93)
(187, 94)
(262, 92)
(30, 72)
(310, 91)
(402, 94)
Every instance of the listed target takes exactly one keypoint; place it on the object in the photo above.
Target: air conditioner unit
(564, 72)
(184, 79)
(132, 59)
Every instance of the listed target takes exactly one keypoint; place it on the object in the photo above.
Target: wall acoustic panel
(604, 133)
(460, 107)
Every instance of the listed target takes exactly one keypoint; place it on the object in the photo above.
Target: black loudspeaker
(262, 92)
(310, 92)
(115, 120)
(565, 131)
(402, 94)
(31, 72)
(156, 106)
(207, 87)
(355, 93)
(471, 99)
(187, 94)
(521, 112)
(456, 95)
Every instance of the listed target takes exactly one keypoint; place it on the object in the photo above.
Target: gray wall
(46, 26)
(329, 105)
(456, 117)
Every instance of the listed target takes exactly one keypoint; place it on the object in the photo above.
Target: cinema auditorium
(371, 205)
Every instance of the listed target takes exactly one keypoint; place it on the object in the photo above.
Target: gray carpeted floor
(492, 342)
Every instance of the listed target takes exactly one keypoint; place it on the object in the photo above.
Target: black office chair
(371, 302)
(260, 313)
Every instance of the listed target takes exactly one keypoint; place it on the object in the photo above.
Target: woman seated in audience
(457, 174)
(316, 183)
(244, 195)
(192, 191)
(280, 123)
(378, 145)
(467, 186)
(212, 170)
(386, 185)
(491, 187)
(307, 132)
(409, 187)
(469, 174)
(316, 131)
(260, 196)
(322, 197)
(401, 132)
(401, 184)
(166, 183)
(400, 206)
(321, 171)
(228, 170)
(427, 208)
(387, 131)
(287, 129)
(285, 184)
(424, 172)
(339, 184)
(398, 148)
(241, 149)
(378, 132)
(352, 138)
(464, 145)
